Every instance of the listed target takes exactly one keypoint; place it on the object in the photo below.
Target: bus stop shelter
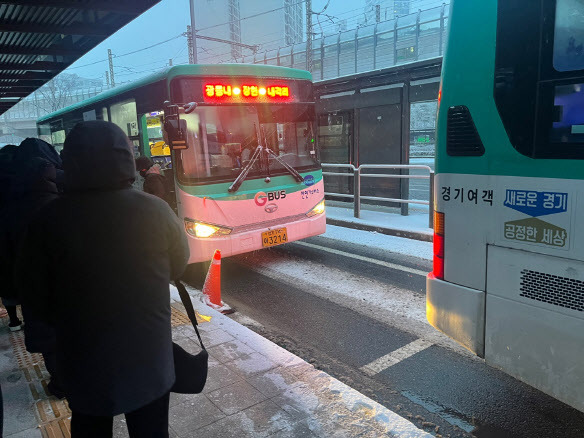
(40, 39)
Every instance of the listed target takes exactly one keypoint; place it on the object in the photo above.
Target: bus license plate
(274, 237)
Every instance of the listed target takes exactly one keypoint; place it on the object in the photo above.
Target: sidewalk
(254, 389)
(382, 220)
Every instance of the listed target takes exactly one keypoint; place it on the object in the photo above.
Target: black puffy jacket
(32, 185)
(98, 263)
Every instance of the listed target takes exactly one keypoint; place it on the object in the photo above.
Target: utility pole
(308, 35)
(190, 44)
(170, 62)
(107, 79)
(111, 66)
(193, 32)
(377, 13)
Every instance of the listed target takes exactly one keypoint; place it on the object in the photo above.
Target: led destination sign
(245, 92)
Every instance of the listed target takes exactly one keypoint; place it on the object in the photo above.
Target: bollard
(357, 192)
(431, 205)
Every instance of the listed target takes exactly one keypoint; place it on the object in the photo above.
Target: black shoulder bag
(190, 370)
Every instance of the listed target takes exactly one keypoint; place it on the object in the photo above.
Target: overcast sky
(169, 19)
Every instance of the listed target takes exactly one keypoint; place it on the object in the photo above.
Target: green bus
(241, 155)
(508, 278)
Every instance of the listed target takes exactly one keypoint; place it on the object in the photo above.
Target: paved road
(357, 312)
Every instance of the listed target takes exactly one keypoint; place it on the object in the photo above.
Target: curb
(416, 235)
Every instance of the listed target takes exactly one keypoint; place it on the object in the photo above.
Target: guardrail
(357, 174)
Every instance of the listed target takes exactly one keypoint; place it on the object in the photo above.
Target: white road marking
(395, 357)
(364, 259)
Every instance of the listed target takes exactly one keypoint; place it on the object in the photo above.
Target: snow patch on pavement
(414, 222)
(332, 408)
(391, 305)
(400, 245)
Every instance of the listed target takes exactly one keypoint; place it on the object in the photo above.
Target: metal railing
(357, 174)
(409, 38)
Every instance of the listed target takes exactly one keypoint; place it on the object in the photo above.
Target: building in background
(63, 90)
(222, 19)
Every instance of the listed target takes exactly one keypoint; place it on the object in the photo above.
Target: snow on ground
(389, 304)
(400, 245)
(414, 222)
(426, 161)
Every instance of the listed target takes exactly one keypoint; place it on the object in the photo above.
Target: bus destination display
(246, 92)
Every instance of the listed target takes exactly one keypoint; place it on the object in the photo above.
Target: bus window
(193, 162)
(158, 148)
(569, 35)
(538, 98)
(104, 115)
(568, 126)
(57, 134)
(44, 132)
(125, 116)
(229, 136)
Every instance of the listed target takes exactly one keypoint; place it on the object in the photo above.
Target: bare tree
(57, 93)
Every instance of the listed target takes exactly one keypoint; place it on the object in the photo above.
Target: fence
(357, 174)
(37, 105)
(405, 39)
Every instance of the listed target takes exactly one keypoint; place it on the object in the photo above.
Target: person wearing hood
(104, 242)
(6, 174)
(154, 180)
(34, 186)
(29, 171)
(35, 147)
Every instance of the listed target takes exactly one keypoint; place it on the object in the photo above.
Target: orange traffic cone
(212, 286)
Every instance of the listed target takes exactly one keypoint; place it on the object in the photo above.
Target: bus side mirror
(175, 128)
(190, 107)
(176, 131)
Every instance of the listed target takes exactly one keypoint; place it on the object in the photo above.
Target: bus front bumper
(202, 249)
(458, 312)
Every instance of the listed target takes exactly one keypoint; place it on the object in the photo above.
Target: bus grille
(462, 138)
(552, 289)
(268, 224)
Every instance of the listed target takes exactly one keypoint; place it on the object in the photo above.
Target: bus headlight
(318, 209)
(203, 230)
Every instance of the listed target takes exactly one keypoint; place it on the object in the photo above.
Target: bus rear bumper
(202, 249)
(458, 312)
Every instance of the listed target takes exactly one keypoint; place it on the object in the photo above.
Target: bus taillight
(438, 245)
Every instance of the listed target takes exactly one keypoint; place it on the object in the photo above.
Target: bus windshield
(222, 140)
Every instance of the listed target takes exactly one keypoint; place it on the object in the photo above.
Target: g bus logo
(262, 198)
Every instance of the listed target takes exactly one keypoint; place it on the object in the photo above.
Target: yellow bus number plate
(274, 237)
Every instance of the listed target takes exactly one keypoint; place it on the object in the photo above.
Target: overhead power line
(129, 53)
(249, 16)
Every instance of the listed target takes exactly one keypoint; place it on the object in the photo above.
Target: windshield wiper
(243, 174)
(293, 172)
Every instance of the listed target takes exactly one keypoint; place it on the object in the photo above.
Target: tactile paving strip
(54, 415)
(178, 318)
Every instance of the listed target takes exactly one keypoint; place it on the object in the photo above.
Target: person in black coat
(24, 190)
(33, 187)
(98, 263)
(154, 180)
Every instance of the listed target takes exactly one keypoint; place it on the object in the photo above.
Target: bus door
(155, 147)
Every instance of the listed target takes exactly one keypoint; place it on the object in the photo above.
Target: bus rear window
(569, 35)
(568, 124)
(539, 76)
